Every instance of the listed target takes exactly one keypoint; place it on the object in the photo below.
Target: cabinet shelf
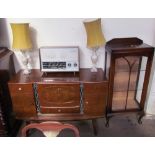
(128, 71)
(119, 101)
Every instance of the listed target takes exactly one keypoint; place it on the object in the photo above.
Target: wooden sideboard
(59, 96)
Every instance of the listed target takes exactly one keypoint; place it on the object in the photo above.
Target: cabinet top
(119, 44)
(84, 75)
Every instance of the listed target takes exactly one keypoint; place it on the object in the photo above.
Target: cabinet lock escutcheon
(19, 88)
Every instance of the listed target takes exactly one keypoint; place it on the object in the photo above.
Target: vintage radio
(59, 59)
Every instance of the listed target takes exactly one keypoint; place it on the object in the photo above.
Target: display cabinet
(128, 64)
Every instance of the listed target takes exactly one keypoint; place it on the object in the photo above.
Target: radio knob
(75, 64)
(69, 65)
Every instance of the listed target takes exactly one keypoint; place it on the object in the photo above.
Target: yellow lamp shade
(21, 36)
(95, 36)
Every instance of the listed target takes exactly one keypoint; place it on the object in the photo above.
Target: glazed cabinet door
(23, 100)
(59, 98)
(95, 98)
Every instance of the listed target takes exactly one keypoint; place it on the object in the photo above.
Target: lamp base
(26, 62)
(26, 71)
(94, 59)
(93, 69)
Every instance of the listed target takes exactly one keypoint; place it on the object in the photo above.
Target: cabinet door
(125, 83)
(23, 100)
(59, 98)
(95, 98)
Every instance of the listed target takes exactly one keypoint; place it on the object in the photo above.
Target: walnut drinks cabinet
(59, 96)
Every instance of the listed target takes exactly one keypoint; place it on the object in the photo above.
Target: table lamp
(95, 39)
(22, 42)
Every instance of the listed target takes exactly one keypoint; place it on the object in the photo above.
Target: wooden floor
(120, 126)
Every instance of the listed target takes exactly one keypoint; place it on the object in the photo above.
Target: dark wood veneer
(59, 95)
(59, 98)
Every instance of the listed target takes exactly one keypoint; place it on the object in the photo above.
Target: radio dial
(75, 64)
(69, 65)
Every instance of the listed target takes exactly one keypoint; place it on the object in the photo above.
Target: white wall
(60, 32)
(70, 31)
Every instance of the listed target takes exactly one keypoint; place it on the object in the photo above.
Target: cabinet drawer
(23, 99)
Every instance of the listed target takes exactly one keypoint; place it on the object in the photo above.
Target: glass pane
(141, 79)
(125, 83)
